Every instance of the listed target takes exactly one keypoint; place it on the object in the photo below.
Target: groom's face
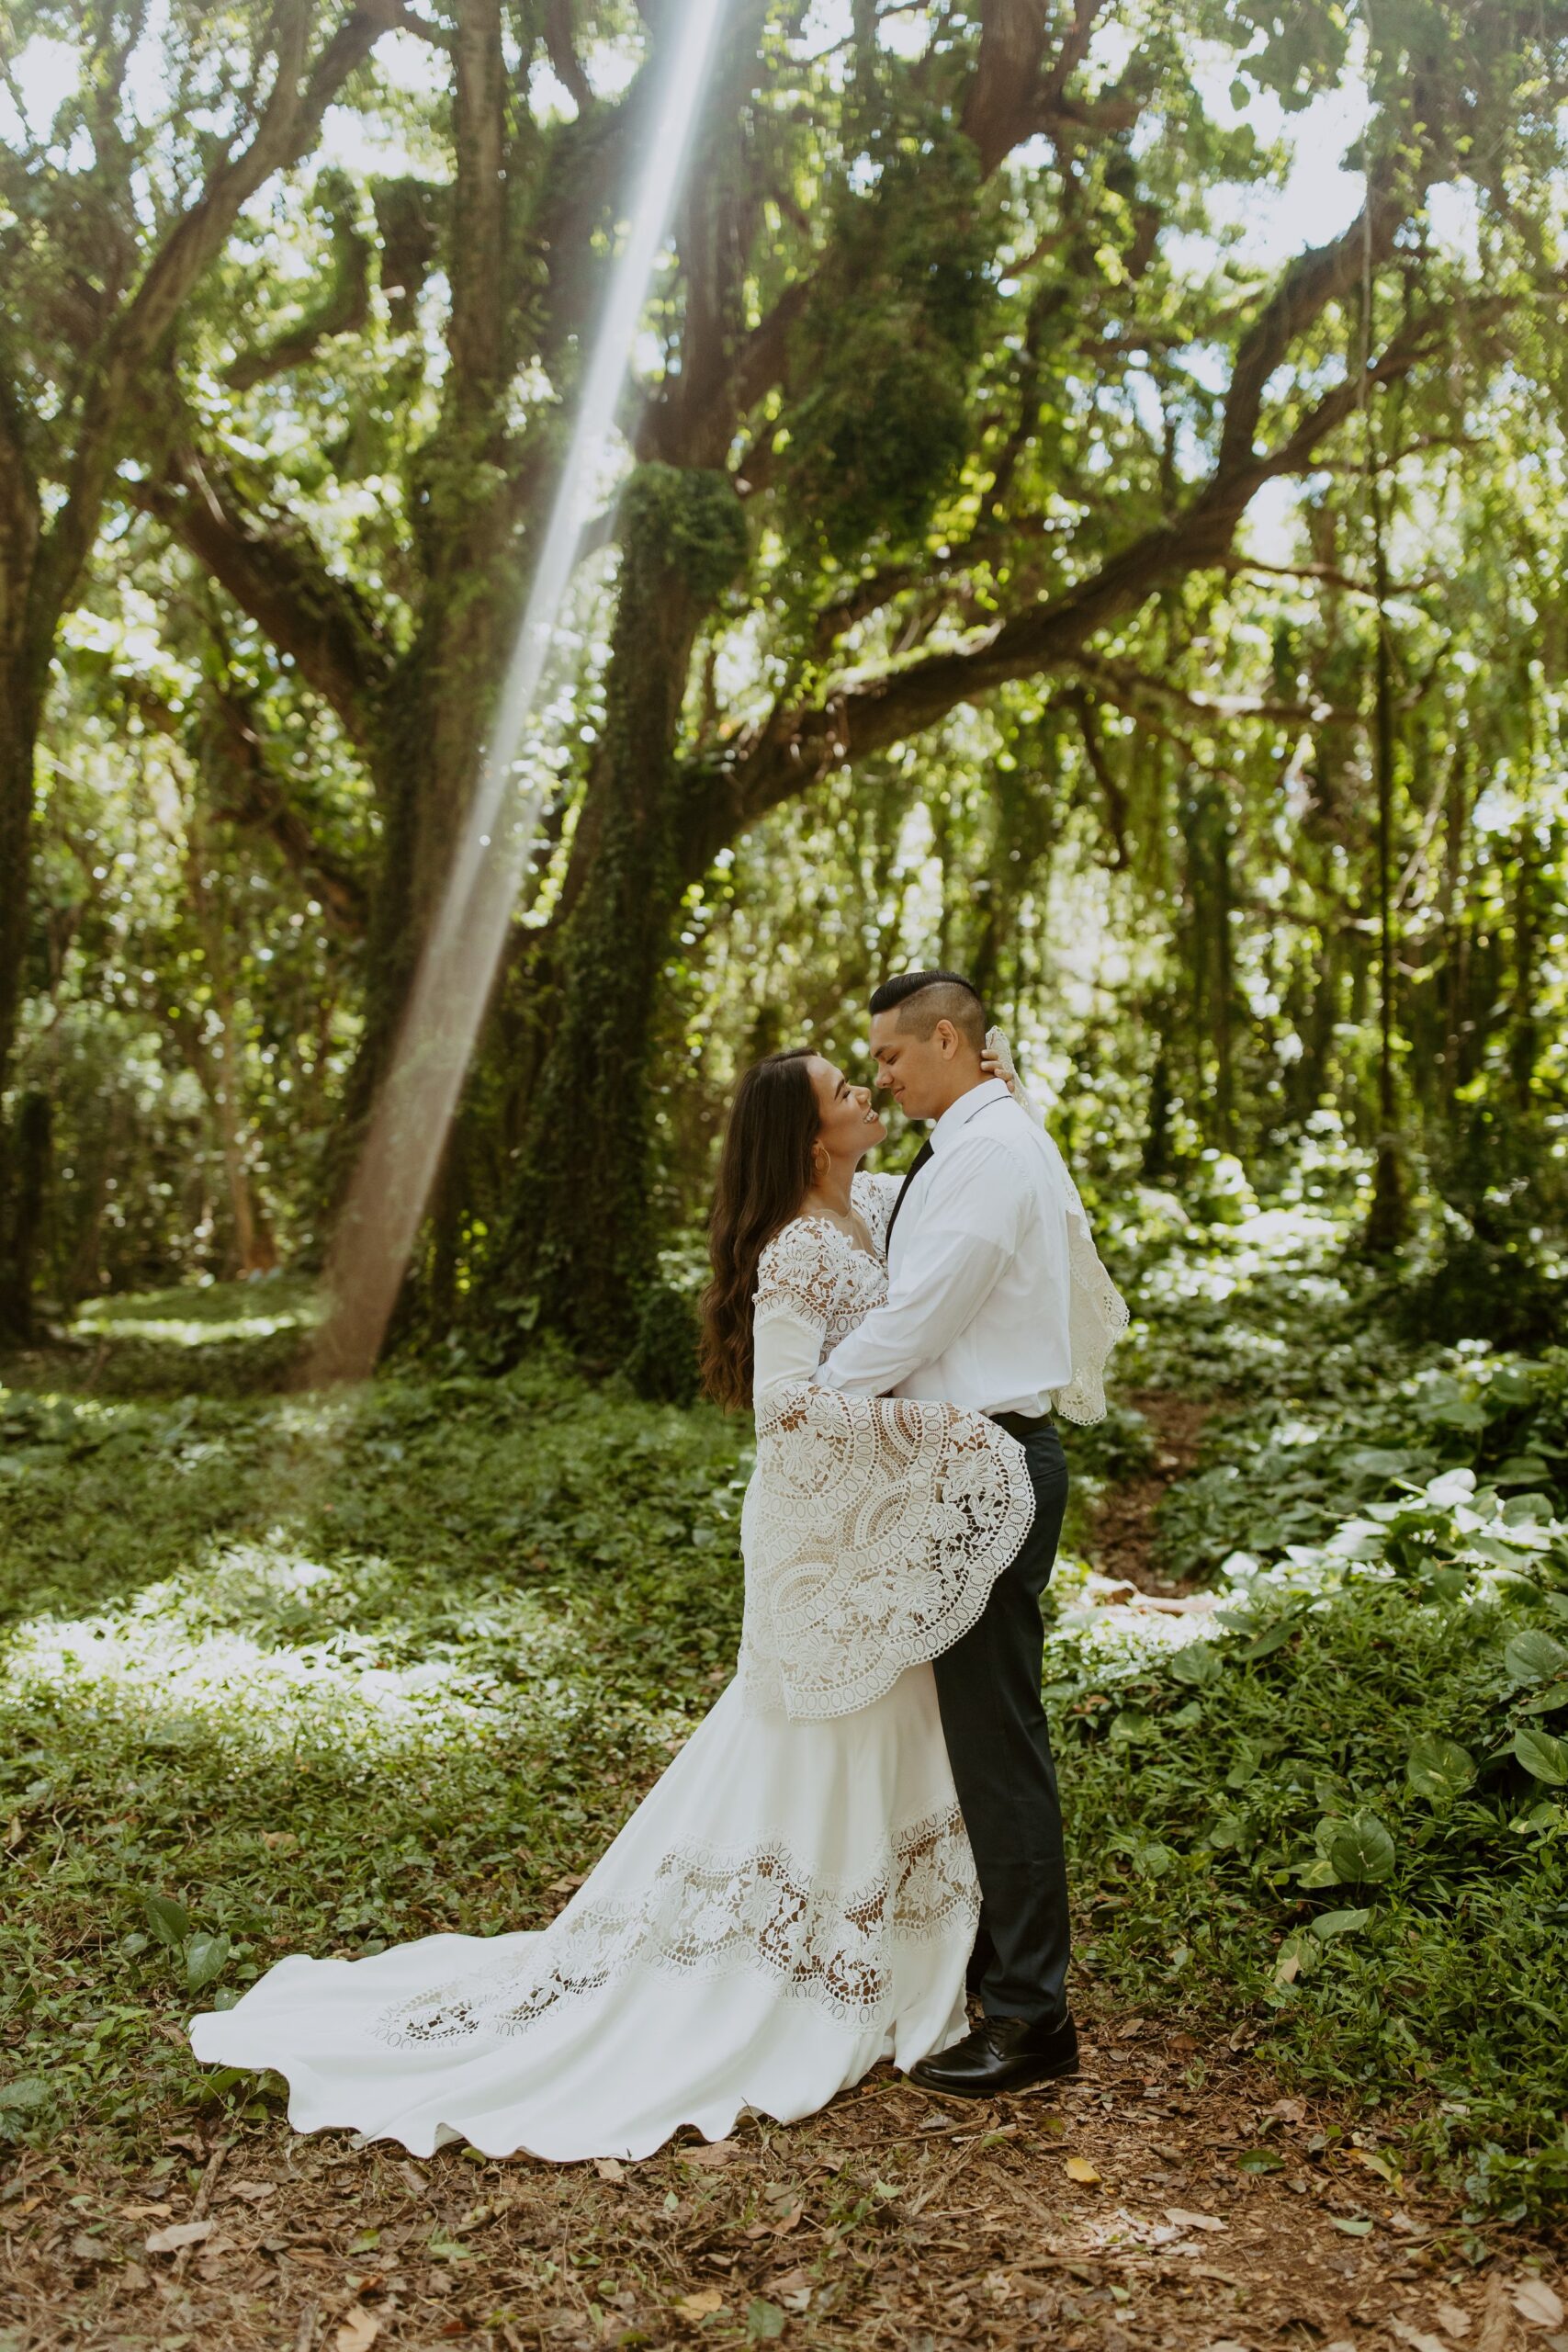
(916, 1072)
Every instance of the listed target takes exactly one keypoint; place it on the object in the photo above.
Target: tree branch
(309, 614)
(798, 743)
(262, 802)
(288, 123)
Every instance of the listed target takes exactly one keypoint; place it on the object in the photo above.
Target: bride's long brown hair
(765, 1172)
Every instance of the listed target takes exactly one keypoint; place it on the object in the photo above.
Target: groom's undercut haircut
(922, 999)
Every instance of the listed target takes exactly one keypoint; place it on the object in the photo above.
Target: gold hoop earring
(820, 1171)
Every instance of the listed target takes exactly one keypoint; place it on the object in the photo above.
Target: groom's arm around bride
(978, 1315)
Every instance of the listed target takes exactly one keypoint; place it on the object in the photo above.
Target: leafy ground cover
(285, 1671)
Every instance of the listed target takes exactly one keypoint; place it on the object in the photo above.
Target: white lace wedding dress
(796, 1899)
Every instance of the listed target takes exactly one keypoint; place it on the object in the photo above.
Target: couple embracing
(865, 1829)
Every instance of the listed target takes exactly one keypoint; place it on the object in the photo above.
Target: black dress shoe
(1001, 2054)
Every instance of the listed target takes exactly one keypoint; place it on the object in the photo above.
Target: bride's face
(849, 1126)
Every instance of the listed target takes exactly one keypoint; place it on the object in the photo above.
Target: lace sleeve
(875, 1196)
(797, 1278)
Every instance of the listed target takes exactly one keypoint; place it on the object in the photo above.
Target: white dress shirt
(979, 1279)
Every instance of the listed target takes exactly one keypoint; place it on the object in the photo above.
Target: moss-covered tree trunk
(580, 1241)
(20, 703)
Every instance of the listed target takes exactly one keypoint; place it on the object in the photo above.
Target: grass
(296, 1672)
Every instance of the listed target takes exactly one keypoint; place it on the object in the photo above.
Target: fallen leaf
(1133, 2026)
(1537, 2303)
(609, 2169)
(1496, 2327)
(792, 2282)
(278, 1842)
(179, 2234)
(1379, 2164)
(566, 1885)
(1355, 2228)
(141, 2213)
(1418, 2338)
(252, 2192)
(713, 2153)
(698, 2306)
(788, 2221)
(88, 2249)
(1227, 2344)
(359, 2332)
(1079, 2168)
(1288, 2110)
(1180, 2220)
(1452, 2321)
(1287, 1968)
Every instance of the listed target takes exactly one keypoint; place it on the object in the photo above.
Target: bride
(795, 1898)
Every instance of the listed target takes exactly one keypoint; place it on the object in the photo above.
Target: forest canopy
(1090, 513)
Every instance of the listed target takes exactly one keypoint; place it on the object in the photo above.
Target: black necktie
(920, 1159)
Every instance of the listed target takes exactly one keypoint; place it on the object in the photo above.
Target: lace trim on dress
(872, 1529)
(706, 1913)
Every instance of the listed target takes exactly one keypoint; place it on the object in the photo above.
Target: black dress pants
(988, 1690)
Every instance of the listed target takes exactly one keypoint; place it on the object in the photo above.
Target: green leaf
(1542, 1755)
(1259, 2160)
(1133, 1723)
(169, 1920)
(1321, 1872)
(1352, 2229)
(1338, 1923)
(1240, 97)
(1273, 1637)
(764, 2322)
(1199, 1665)
(205, 1959)
(1439, 1768)
(1361, 1850)
(26, 2095)
(1534, 1657)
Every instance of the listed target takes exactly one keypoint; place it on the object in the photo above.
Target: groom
(976, 1315)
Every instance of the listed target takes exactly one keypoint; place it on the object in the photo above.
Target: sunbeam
(402, 1151)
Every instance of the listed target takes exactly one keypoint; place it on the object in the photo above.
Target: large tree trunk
(579, 1246)
(19, 711)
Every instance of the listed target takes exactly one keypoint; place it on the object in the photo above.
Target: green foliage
(690, 520)
(662, 1365)
(888, 345)
(1338, 1809)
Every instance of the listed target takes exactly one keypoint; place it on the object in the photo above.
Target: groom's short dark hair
(922, 999)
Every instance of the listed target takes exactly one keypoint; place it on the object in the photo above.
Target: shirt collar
(957, 1115)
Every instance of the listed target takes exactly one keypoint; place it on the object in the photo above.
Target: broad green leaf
(1258, 2160)
(1534, 1657)
(1199, 1665)
(1273, 1637)
(764, 2322)
(1133, 1723)
(1361, 1850)
(1338, 1923)
(1439, 1768)
(1320, 1872)
(27, 2094)
(1542, 1755)
(169, 1920)
(1352, 2229)
(204, 1958)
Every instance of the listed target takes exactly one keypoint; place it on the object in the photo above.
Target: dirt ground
(1171, 2197)
(1123, 1526)
(1112, 2212)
